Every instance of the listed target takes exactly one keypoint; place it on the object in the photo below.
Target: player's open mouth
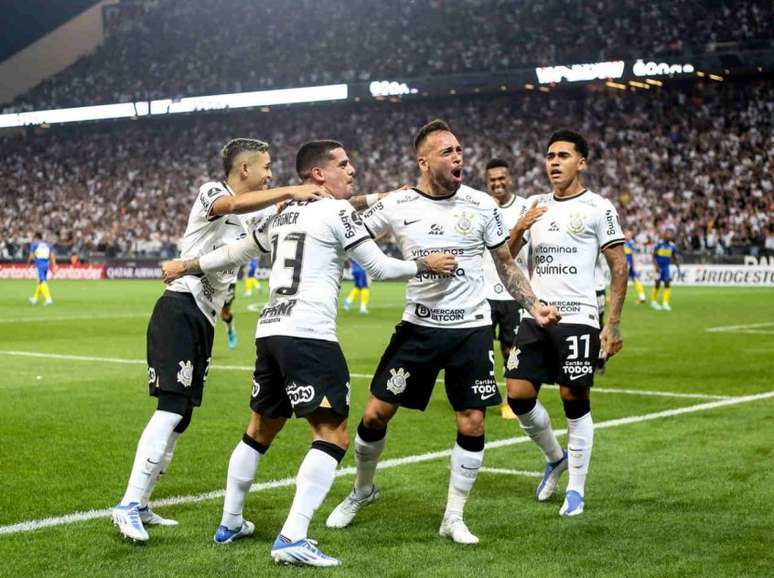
(457, 173)
(556, 173)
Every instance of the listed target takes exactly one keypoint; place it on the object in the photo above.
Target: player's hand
(171, 270)
(545, 315)
(610, 340)
(529, 218)
(310, 193)
(440, 263)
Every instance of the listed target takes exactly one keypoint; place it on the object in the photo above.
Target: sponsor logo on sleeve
(346, 222)
(612, 222)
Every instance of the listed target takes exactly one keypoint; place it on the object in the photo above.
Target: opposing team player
(506, 311)
(564, 244)
(42, 255)
(360, 290)
(300, 367)
(665, 254)
(251, 280)
(228, 317)
(446, 321)
(180, 331)
(630, 250)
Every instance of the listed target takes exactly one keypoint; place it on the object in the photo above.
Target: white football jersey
(495, 290)
(466, 225)
(565, 242)
(257, 219)
(203, 234)
(307, 242)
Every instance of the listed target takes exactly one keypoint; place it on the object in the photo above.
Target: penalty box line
(118, 360)
(386, 464)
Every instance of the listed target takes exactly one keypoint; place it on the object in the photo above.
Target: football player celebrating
(565, 242)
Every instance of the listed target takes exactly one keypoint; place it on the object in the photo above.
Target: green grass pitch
(668, 494)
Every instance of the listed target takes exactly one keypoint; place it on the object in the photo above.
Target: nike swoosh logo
(407, 223)
(485, 397)
(235, 224)
(574, 377)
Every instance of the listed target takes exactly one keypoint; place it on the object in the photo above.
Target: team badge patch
(464, 224)
(513, 358)
(397, 383)
(576, 224)
(185, 375)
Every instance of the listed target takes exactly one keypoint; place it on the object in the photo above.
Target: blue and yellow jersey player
(251, 281)
(42, 255)
(664, 256)
(630, 249)
(360, 290)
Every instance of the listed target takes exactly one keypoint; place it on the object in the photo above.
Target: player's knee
(377, 414)
(521, 406)
(522, 389)
(334, 450)
(470, 422)
(576, 408)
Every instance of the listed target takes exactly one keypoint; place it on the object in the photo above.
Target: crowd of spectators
(170, 48)
(693, 156)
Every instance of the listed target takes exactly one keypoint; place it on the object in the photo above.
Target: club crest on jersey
(185, 375)
(464, 224)
(576, 225)
(513, 358)
(397, 383)
(256, 389)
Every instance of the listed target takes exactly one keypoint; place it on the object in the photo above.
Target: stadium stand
(694, 155)
(169, 48)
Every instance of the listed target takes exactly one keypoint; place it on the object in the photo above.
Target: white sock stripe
(84, 516)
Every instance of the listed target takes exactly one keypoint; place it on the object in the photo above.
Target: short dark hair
(235, 147)
(497, 163)
(431, 127)
(566, 135)
(313, 154)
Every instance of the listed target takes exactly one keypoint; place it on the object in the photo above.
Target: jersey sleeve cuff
(500, 244)
(257, 242)
(356, 242)
(612, 243)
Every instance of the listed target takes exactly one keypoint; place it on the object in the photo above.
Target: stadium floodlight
(390, 88)
(248, 99)
(81, 113)
(171, 106)
(580, 72)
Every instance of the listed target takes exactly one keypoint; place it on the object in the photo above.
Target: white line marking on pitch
(511, 472)
(74, 318)
(356, 375)
(386, 464)
(750, 328)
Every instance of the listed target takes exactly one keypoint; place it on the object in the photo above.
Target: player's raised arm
(516, 237)
(256, 200)
(518, 286)
(226, 257)
(380, 266)
(610, 339)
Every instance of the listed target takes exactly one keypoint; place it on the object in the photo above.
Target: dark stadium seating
(172, 48)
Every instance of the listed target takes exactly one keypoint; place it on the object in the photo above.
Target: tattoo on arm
(616, 260)
(514, 280)
(192, 267)
(359, 202)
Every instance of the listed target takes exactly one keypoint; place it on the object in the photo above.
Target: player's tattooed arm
(177, 268)
(518, 286)
(611, 340)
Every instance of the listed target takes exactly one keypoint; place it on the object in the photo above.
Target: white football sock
(241, 473)
(161, 468)
(314, 480)
(150, 452)
(367, 456)
(580, 439)
(464, 471)
(537, 425)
